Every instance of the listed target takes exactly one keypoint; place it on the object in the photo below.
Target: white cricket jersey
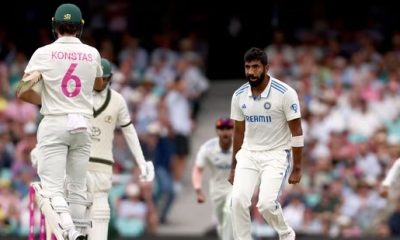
(69, 69)
(266, 116)
(110, 111)
(211, 156)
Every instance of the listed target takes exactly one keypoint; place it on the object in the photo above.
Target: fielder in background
(68, 71)
(267, 129)
(215, 154)
(110, 111)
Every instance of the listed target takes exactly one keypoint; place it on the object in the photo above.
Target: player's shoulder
(116, 95)
(87, 48)
(280, 86)
(241, 89)
(43, 49)
(211, 143)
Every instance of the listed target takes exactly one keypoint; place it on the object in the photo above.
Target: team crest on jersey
(96, 131)
(108, 119)
(294, 107)
(267, 105)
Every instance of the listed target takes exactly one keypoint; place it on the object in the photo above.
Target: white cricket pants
(99, 182)
(63, 161)
(269, 168)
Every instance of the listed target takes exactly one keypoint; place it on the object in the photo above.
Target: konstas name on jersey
(71, 56)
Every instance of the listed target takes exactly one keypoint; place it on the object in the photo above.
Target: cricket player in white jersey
(68, 71)
(216, 155)
(110, 111)
(267, 129)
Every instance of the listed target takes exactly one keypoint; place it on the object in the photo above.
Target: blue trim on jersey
(241, 91)
(280, 85)
(278, 89)
(244, 86)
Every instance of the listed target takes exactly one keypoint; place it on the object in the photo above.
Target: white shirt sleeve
(124, 117)
(291, 106)
(236, 111)
(129, 132)
(99, 70)
(37, 62)
(392, 174)
(201, 157)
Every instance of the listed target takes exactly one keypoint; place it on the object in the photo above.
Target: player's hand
(146, 172)
(384, 191)
(231, 176)
(295, 176)
(200, 196)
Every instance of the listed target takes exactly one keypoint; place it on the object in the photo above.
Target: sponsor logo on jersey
(244, 106)
(258, 118)
(294, 107)
(108, 119)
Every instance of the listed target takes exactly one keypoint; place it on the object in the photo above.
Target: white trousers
(222, 209)
(99, 185)
(63, 162)
(269, 169)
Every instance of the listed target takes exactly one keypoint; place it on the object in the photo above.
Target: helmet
(224, 123)
(68, 13)
(106, 66)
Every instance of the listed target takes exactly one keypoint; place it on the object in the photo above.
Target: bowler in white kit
(267, 130)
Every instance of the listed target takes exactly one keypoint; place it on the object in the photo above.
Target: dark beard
(258, 81)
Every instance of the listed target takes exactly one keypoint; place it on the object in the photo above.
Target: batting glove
(147, 172)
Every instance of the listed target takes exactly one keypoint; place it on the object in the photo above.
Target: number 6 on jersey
(71, 84)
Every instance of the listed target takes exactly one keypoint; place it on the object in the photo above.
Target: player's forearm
(30, 96)
(197, 178)
(98, 84)
(297, 157)
(297, 141)
(132, 139)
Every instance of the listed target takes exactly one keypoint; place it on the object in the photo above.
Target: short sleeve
(201, 157)
(99, 71)
(236, 111)
(291, 105)
(124, 118)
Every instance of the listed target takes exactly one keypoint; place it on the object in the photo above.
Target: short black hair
(256, 54)
(68, 28)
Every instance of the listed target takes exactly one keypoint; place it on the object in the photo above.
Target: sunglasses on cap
(224, 123)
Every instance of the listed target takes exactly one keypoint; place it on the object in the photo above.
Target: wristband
(297, 141)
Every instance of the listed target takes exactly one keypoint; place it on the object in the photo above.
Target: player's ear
(266, 67)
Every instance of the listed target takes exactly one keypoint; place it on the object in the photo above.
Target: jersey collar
(68, 39)
(266, 91)
(104, 106)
